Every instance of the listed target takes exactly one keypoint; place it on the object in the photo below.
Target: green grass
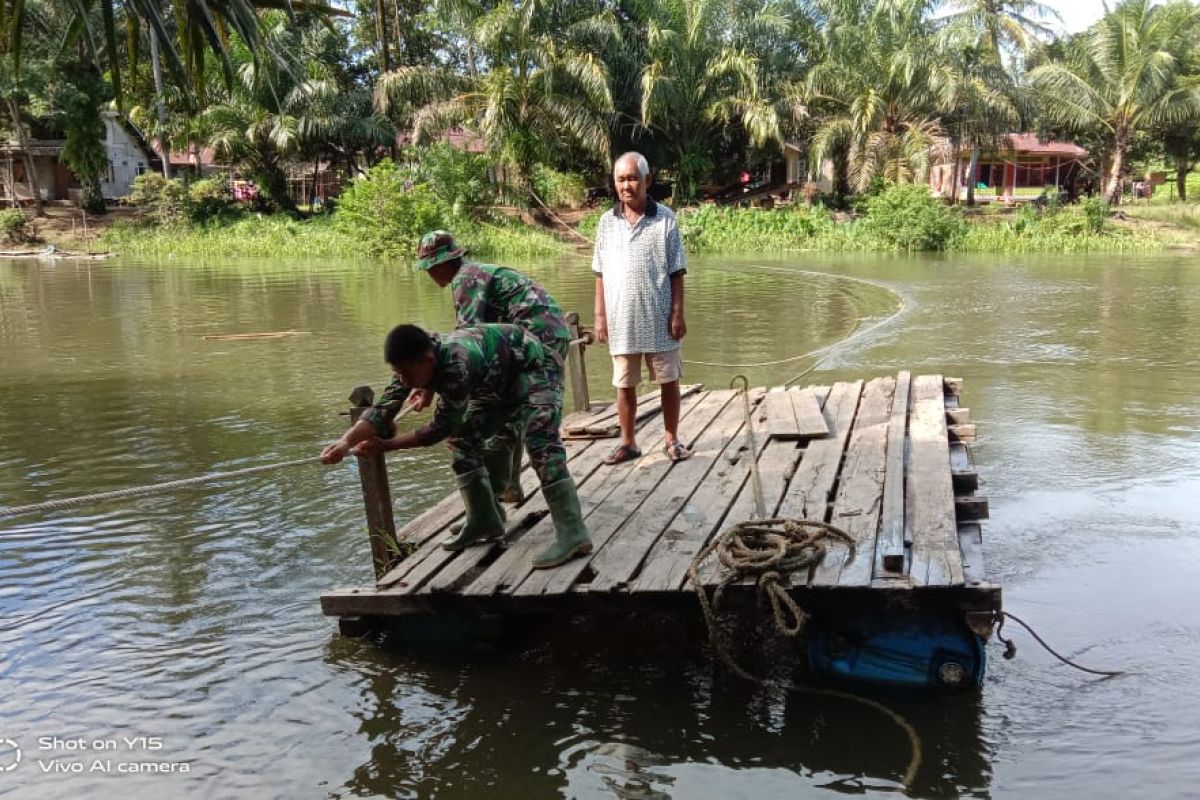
(1185, 215)
(279, 236)
(713, 230)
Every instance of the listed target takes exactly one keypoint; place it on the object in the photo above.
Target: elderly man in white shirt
(639, 266)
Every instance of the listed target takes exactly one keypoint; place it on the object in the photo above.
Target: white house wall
(126, 159)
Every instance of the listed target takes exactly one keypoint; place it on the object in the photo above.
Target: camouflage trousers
(538, 422)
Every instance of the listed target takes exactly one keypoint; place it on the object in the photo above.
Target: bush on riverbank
(908, 219)
(266, 236)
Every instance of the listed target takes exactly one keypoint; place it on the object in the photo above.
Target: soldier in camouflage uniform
(486, 293)
(487, 378)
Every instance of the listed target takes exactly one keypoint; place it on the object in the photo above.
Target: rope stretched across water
(769, 550)
(154, 488)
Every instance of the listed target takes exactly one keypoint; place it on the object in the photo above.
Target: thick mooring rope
(770, 550)
(154, 488)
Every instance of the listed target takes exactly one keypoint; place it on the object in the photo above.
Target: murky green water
(193, 617)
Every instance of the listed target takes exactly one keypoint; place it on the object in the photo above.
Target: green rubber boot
(485, 518)
(504, 470)
(514, 493)
(570, 534)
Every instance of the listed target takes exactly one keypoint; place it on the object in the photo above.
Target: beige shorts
(665, 367)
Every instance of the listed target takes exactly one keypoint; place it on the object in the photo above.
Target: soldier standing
(485, 293)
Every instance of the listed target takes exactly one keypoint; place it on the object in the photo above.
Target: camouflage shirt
(487, 293)
(485, 365)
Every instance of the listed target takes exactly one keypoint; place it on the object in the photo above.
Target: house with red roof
(1021, 168)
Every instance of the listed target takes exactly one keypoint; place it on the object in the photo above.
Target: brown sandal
(622, 453)
(677, 452)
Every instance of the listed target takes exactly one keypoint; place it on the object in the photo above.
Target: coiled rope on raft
(769, 550)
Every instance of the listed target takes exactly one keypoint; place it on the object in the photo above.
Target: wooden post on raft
(377, 497)
(576, 369)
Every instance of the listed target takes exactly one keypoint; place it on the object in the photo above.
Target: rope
(771, 549)
(855, 333)
(154, 488)
(1010, 649)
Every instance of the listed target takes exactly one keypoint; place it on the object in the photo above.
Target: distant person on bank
(639, 266)
(486, 293)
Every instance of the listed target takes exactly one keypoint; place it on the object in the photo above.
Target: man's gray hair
(643, 166)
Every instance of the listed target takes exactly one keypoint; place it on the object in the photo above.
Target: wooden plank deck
(877, 458)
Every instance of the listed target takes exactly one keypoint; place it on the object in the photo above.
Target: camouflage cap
(437, 247)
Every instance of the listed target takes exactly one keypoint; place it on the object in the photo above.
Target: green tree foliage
(535, 86)
(875, 87)
(75, 93)
(695, 84)
(385, 209)
(908, 218)
(1122, 78)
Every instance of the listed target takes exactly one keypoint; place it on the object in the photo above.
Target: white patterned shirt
(637, 262)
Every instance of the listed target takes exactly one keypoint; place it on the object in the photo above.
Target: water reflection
(193, 616)
(635, 708)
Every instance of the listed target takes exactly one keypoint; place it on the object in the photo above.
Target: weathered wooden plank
(576, 369)
(810, 422)
(970, 507)
(807, 495)
(703, 515)
(970, 542)
(958, 416)
(616, 564)
(929, 492)
(857, 505)
(779, 420)
(961, 433)
(508, 571)
(602, 422)
(614, 509)
(962, 469)
(776, 466)
(889, 549)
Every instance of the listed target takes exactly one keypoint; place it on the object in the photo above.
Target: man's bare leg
(627, 413)
(670, 410)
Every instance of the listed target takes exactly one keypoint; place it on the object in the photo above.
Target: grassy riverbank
(899, 225)
(281, 236)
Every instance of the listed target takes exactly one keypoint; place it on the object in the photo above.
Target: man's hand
(420, 399)
(676, 326)
(601, 329)
(370, 446)
(334, 453)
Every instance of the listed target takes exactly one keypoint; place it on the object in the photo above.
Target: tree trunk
(164, 147)
(91, 197)
(14, 112)
(956, 172)
(1112, 192)
(1182, 168)
(972, 169)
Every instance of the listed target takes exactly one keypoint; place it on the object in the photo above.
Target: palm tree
(277, 107)
(875, 88)
(979, 101)
(1122, 79)
(1001, 24)
(534, 86)
(695, 84)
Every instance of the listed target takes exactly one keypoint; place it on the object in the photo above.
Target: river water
(184, 629)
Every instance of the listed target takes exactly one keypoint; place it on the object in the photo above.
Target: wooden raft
(886, 460)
